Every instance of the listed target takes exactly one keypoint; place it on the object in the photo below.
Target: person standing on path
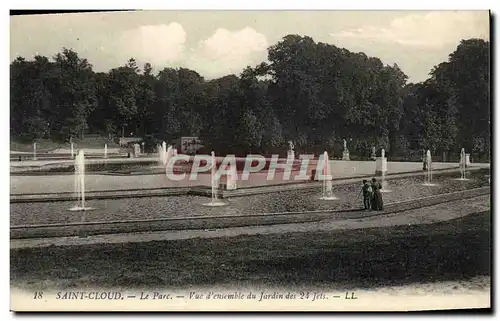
(377, 201)
(367, 195)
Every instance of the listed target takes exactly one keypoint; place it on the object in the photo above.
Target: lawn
(362, 259)
(44, 145)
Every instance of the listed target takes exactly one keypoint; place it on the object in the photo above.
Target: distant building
(124, 141)
(189, 145)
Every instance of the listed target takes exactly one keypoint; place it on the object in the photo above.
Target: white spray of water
(462, 165)
(327, 193)
(385, 187)
(428, 173)
(79, 183)
(163, 155)
(214, 184)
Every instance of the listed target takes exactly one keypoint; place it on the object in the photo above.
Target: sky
(218, 43)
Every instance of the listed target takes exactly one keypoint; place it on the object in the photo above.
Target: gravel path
(428, 215)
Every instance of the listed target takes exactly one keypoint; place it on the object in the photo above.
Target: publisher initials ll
(352, 297)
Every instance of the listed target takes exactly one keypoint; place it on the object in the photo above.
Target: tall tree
(74, 94)
(465, 78)
(315, 94)
(124, 87)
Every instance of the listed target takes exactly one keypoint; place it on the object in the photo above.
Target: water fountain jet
(79, 183)
(327, 193)
(428, 172)
(215, 185)
(384, 184)
(168, 155)
(463, 167)
(163, 153)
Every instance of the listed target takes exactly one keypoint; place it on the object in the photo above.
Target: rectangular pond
(193, 206)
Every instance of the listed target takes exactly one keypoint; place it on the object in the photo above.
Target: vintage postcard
(250, 161)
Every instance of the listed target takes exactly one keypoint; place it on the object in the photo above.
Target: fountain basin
(182, 205)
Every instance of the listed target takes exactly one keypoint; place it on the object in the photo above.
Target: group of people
(372, 195)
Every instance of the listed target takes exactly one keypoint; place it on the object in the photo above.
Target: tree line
(312, 93)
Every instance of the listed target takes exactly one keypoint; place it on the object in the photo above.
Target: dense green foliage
(315, 94)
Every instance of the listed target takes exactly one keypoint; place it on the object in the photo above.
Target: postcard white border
(214, 4)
